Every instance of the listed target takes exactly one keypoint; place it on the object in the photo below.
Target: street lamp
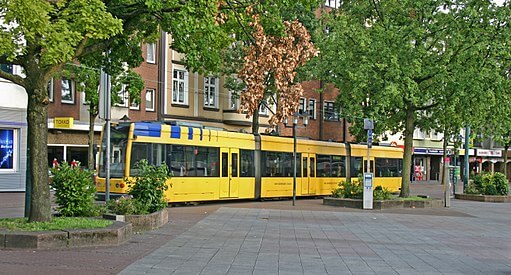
(296, 116)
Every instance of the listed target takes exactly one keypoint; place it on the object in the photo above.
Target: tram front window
(118, 141)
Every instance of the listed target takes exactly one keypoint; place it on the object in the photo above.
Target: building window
(180, 86)
(8, 150)
(330, 112)
(301, 107)
(311, 109)
(263, 110)
(418, 134)
(151, 53)
(50, 90)
(134, 105)
(234, 100)
(149, 100)
(332, 3)
(68, 91)
(123, 97)
(210, 91)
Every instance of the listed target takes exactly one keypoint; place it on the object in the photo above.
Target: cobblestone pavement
(310, 238)
(236, 240)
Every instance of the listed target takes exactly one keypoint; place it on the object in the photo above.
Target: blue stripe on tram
(175, 132)
(190, 133)
(147, 129)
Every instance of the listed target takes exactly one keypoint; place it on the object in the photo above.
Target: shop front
(427, 163)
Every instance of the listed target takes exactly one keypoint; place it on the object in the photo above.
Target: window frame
(124, 96)
(71, 89)
(177, 81)
(151, 48)
(311, 110)
(301, 106)
(207, 90)
(329, 108)
(152, 92)
(50, 90)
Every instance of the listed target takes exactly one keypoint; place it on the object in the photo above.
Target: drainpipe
(162, 76)
(321, 110)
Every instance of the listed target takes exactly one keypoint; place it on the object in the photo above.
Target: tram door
(308, 174)
(229, 176)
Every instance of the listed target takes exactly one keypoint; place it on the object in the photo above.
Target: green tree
(398, 61)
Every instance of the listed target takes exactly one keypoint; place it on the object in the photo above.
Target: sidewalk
(275, 237)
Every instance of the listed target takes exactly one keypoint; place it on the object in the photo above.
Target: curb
(115, 234)
(388, 204)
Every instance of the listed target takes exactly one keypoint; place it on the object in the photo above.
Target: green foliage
(127, 205)
(489, 184)
(58, 223)
(149, 186)
(501, 183)
(381, 193)
(74, 191)
(352, 190)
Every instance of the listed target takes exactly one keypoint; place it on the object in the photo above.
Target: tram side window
(247, 163)
(153, 153)
(330, 166)
(388, 167)
(182, 161)
(357, 166)
(279, 164)
(207, 162)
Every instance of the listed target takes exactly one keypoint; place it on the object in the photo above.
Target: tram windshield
(118, 142)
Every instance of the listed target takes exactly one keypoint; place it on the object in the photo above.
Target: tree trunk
(255, 120)
(37, 118)
(506, 148)
(90, 152)
(407, 157)
(444, 157)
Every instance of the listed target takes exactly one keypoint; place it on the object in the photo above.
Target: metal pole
(294, 163)
(467, 168)
(368, 163)
(107, 163)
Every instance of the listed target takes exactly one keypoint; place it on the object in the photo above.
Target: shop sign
(63, 122)
(489, 153)
(430, 151)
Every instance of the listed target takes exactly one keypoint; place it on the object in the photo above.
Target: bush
(74, 191)
(349, 190)
(501, 184)
(126, 205)
(381, 193)
(149, 187)
(490, 189)
(477, 181)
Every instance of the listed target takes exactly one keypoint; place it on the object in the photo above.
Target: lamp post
(296, 116)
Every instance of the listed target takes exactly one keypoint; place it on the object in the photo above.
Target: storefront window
(7, 149)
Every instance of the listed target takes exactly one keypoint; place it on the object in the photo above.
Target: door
(308, 174)
(229, 176)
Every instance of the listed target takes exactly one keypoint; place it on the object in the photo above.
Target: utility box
(368, 191)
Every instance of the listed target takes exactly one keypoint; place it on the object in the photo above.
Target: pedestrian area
(236, 240)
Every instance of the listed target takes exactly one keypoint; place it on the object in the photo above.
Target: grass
(413, 199)
(57, 223)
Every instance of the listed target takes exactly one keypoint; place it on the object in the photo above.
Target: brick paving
(274, 237)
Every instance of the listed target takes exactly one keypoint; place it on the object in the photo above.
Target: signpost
(104, 113)
(368, 176)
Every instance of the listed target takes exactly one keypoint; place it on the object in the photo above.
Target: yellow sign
(63, 122)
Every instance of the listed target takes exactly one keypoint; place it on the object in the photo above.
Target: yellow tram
(219, 165)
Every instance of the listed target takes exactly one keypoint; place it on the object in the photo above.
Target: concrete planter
(483, 198)
(114, 234)
(142, 222)
(386, 204)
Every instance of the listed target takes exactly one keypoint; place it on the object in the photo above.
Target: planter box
(143, 222)
(114, 234)
(483, 198)
(386, 204)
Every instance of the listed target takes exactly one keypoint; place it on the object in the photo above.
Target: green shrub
(490, 189)
(149, 187)
(477, 181)
(74, 191)
(501, 184)
(352, 190)
(381, 193)
(472, 189)
(126, 205)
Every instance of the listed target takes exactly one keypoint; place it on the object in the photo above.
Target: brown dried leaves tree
(272, 60)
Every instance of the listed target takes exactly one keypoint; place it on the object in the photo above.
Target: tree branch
(16, 79)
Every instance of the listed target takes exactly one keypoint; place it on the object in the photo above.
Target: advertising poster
(6, 149)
